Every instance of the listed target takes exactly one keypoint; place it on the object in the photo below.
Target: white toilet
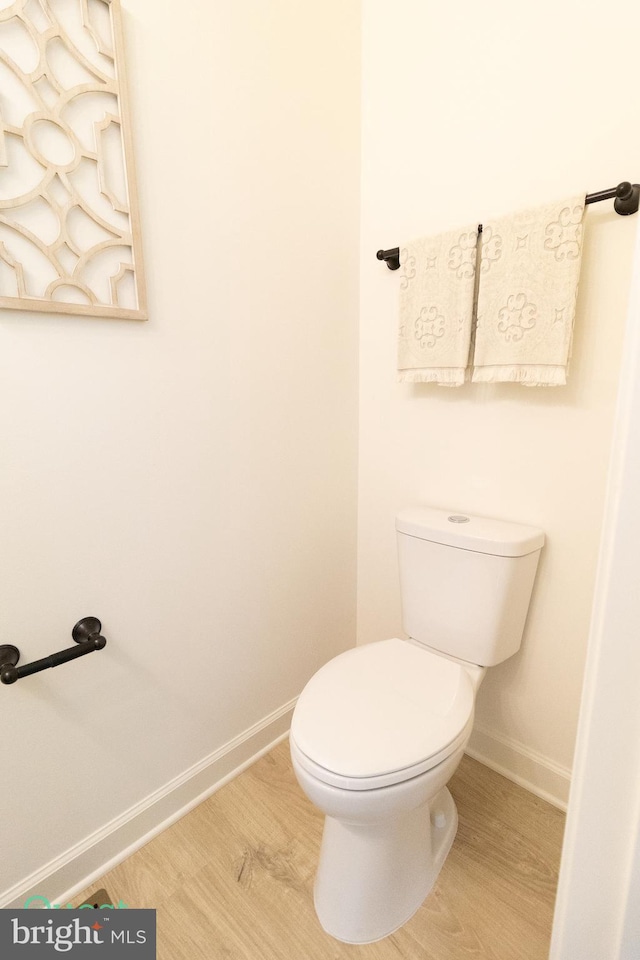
(379, 730)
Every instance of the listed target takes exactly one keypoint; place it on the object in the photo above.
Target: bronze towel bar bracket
(86, 634)
(626, 197)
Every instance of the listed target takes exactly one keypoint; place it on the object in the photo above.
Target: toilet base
(373, 877)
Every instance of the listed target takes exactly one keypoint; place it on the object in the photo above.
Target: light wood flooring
(233, 879)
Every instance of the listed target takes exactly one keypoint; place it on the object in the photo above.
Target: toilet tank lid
(500, 538)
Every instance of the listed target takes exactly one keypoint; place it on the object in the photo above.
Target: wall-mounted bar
(86, 634)
(392, 257)
(626, 197)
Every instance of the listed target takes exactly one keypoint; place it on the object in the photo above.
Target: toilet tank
(466, 582)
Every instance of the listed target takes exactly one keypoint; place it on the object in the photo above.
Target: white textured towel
(528, 285)
(436, 307)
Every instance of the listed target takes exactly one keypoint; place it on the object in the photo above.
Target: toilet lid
(382, 708)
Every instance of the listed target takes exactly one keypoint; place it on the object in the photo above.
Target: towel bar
(86, 633)
(392, 257)
(626, 197)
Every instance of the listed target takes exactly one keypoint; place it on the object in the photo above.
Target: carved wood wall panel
(69, 225)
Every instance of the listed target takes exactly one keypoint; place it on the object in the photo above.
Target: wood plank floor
(233, 880)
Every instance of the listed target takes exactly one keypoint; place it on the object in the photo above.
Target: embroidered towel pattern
(528, 286)
(436, 307)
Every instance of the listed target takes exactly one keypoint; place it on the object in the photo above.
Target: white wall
(473, 110)
(192, 480)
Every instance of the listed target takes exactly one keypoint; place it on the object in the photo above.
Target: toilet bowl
(377, 764)
(379, 731)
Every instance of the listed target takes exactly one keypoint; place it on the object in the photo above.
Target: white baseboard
(529, 769)
(85, 862)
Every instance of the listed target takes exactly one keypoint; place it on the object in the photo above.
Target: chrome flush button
(458, 518)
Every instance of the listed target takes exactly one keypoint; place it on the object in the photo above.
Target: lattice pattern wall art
(69, 225)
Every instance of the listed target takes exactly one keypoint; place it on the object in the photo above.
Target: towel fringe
(541, 375)
(444, 376)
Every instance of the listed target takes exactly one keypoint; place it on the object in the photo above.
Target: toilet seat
(380, 714)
